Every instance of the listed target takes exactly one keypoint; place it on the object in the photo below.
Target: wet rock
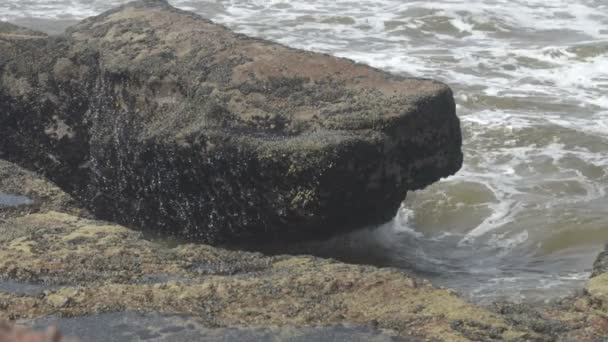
(107, 268)
(477, 331)
(600, 265)
(25, 288)
(132, 326)
(30, 193)
(8, 200)
(8, 29)
(83, 268)
(532, 317)
(58, 301)
(157, 118)
(579, 317)
(597, 288)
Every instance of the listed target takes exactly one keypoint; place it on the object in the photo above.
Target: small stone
(58, 301)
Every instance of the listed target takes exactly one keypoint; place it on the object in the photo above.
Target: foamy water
(528, 212)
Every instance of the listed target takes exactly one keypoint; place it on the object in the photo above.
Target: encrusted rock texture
(155, 117)
(85, 267)
(43, 194)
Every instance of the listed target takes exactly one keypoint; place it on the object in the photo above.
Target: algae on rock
(106, 268)
(157, 118)
(91, 266)
(86, 267)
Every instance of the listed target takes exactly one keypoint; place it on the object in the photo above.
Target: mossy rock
(93, 267)
(155, 117)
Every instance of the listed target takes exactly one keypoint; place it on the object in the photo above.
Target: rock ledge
(155, 117)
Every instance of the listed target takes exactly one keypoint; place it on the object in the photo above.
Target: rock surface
(80, 270)
(93, 267)
(41, 194)
(153, 327)
(157, 118)
(600, 265)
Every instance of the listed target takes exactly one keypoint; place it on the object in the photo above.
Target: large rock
(156, 117)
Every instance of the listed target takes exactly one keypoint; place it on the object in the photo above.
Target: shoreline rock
(155, 117)
(183, 328)
(77, 267)
(116, 271)
(92, 267)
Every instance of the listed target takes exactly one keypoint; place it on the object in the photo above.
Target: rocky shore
(56, 261)
(88, 267)
(155, 117)
(149, 118)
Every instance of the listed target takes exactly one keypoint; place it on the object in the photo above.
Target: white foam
(369, 40)
(401, 222)
(507, 242)
(502, 213)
